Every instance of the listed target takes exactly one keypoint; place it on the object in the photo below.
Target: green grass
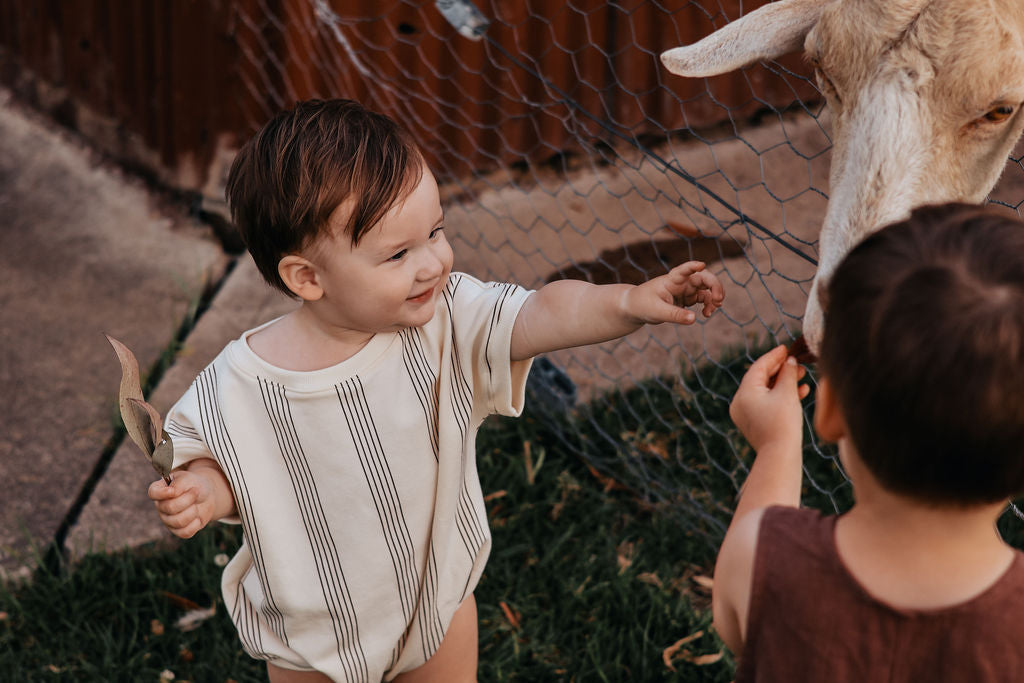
(592, 575)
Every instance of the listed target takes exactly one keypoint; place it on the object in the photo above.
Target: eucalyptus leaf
(163, 456)
(131, 387)
(141, 420)
(144, 422)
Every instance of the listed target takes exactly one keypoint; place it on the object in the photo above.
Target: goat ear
(768, 32)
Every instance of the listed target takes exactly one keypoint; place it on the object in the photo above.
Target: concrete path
(83, 251)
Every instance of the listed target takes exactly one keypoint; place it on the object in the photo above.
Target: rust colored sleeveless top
(811, 621)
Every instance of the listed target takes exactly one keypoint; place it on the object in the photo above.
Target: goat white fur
(926, 99)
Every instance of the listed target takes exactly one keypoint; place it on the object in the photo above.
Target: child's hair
(924, 347)
(303, 164)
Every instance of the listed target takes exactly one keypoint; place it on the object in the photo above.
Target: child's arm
(198, 494)
(571, 313)
(771, 418)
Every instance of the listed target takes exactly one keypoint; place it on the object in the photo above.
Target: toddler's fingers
(788, 375)
(766, 367)
(161, 490)
(670, 313)
(689, 268)
(713, 290)
(181, 520)
(172, 506)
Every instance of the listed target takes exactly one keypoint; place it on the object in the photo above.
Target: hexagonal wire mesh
(565, 150)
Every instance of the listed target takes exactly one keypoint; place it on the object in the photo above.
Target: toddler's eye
(436, 232)
(398, 256)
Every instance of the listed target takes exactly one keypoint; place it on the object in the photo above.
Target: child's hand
(655, 300)
(767, 413)
(188, 503)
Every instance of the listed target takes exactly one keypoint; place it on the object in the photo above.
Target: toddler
(922, 387)
(341, 436)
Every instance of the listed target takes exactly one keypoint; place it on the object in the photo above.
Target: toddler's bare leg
(455, 661)
(281, 675)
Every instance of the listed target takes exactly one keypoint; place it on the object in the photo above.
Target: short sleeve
(483, 316)
(183, 425)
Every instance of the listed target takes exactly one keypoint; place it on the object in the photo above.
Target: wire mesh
(565, 150)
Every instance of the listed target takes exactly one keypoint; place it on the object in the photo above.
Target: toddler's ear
(828, 416)
(300, 276)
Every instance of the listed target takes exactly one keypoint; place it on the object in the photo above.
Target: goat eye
(1000, 113)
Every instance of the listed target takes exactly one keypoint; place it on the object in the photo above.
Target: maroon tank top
(810, 620)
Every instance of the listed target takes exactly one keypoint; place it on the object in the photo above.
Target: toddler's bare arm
(767, 410)
(571, 313)
(198, 494)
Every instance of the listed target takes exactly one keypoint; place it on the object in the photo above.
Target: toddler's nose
(431, 266)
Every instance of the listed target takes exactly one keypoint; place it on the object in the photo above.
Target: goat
(926, 99)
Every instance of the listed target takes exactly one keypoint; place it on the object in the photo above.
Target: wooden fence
(173, 86)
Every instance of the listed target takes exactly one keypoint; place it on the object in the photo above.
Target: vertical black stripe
(327, 559)
(222, 447)
(495, 319)
(467, 522)
(384, 492)
(424, 382)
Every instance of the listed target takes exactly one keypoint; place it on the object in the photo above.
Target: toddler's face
(392, 279)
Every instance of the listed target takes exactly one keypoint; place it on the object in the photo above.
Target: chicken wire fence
(564, 149)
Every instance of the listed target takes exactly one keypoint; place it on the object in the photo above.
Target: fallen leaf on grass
(608, 483)
(179, 601)
(703, 660)
(650, 578)
(704, 581)
(494, 496)
(193, 618)
(677, 651)
(624, 555)
(156, 627)
(512, 616)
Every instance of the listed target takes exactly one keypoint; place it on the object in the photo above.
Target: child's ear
(828, 417)
(300, 276)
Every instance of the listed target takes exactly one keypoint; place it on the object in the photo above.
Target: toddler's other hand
(654, 301)
(185, 505)
(768, 413)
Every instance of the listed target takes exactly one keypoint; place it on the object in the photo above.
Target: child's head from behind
(304, 164)
(924, 350)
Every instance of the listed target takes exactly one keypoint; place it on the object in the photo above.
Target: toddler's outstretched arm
(767, 410)
(571, 313)
(198, 494)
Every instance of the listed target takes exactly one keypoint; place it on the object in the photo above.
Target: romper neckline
(311, 381)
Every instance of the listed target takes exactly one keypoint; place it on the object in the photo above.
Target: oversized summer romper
(811, 621)
(356, 486)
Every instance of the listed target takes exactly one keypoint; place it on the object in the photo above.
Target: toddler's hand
(654, 301)
(186, 505)
(768, 413)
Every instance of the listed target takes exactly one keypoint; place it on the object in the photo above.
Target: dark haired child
(922, 387)
(341, 435)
